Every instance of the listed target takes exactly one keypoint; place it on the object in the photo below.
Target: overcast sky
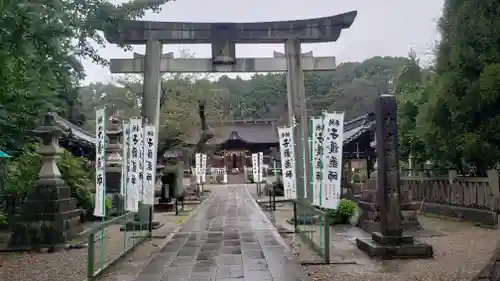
(382, 27)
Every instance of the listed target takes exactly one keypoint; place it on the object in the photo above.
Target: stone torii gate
(223, 38)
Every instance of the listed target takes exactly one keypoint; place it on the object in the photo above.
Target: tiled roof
(258, 131)
(357, 126)
(73, 130)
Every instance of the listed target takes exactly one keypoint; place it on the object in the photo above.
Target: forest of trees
(448, 113)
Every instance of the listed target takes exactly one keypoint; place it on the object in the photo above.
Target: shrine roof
(250, 131)
(73, 131)
(356, 127)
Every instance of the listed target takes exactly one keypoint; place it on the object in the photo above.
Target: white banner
(288, 162)
(255, 167)
(261, 166)
(100, 164)
(150, 139)
(125, 145)
(197, 168)
(317, 156)
(203, 168)
(141, 163)
(127, 151)
(135, 185)
(332, 161)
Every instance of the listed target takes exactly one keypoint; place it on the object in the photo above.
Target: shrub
(3, 218)
(22, 173)
(250, 178)
(345, 211)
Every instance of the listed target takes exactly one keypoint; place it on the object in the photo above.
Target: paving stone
(188, 251)
(230, 271)
(202, 276)
(232, 242)
(206, 255)
(229, 260)
(250, 246)
(175, 274)
(236, 250)
(264, 275)
(211, 246)
(256, 264)
(253, 254)
(157, 265)
(182, 262)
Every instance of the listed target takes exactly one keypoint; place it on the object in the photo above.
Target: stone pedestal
(394, 247)
(49, 216)
(386, 208)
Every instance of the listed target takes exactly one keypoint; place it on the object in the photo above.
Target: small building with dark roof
(235, 141)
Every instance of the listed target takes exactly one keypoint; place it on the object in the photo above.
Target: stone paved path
(228, 239)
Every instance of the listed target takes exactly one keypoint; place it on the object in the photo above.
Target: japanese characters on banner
(317, 158)
(125, 144)
(288, 162)
(134, 186)
(141, 163)
(332, 168)
(203, 168)
(197, 163)
(261, 166)
(255, 167)
(149, 164)
(100, 162)
(126, 171)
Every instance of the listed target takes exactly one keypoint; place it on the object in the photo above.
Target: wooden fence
(468, 192)
(468, 198)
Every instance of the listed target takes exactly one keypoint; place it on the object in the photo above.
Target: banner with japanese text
(125, 150)
(197, 168)
(255, 167)
(317, 157)
(100, 164)
(288, 162)
(332, 165)
(203, 168)
(133, 191)
(150, 146)
(261, 166)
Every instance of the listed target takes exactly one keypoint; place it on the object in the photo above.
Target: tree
(461, 117)
(42, 42)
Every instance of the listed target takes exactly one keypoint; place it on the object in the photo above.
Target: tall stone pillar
(151, 100)
(49, 216)
(297, 111)
(390, 242)
(114, 132)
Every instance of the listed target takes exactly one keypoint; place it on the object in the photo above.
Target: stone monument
(369, 219)
(49, 216)
(390, 242)
(223, 38)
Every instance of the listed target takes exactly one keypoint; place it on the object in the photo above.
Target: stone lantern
(49, 216)
(114, 133)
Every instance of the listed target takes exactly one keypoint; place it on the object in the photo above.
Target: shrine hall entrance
(234, 161)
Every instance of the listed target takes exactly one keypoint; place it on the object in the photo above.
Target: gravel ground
(460, 252)
(70, 265)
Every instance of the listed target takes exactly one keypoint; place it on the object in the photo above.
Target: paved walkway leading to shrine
(229, 238)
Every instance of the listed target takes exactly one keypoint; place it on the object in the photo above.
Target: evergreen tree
(461, 120)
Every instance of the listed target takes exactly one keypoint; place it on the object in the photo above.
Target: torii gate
(223, 37)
